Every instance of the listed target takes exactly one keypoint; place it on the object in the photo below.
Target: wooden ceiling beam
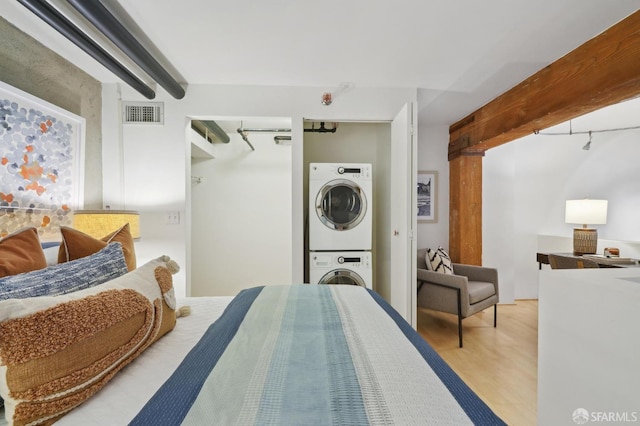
(603, 71)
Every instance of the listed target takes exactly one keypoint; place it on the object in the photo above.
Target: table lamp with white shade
(585, 212)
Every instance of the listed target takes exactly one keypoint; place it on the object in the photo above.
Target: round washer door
(342, 277)
(341, 204)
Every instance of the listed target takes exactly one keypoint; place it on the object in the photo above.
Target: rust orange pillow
(76, 244)
(21, 252)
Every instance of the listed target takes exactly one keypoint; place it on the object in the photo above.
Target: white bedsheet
(121, 399)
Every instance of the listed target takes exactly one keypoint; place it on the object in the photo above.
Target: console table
(603, 262)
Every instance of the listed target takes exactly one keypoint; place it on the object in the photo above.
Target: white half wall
(587, 349)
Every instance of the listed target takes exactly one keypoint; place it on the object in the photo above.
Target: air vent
(143, 113)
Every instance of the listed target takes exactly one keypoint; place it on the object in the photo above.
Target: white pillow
(51, 254)
(427, 259)
(439, 261)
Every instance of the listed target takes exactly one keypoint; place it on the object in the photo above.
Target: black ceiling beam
(65, 27)
(104, 21)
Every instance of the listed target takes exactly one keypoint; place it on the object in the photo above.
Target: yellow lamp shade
(99, 223)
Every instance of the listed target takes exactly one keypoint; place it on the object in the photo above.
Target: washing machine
(347, 267)
(340, 206)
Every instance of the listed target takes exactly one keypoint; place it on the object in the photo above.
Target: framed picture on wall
(427, 196)
(41, 163)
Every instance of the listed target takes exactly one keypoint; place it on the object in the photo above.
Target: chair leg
(459, 316)
(495, 315)
(459, 300)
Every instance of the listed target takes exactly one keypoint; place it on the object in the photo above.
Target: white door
(403, 218)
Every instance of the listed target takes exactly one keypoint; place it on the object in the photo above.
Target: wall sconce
(100, 223)
(592, 212)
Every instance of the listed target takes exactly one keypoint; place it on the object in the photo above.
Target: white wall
(157, 164)
(526, 184)
(500, 206)
(433, 146)
(241, 215)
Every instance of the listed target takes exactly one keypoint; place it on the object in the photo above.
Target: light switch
(173, 218)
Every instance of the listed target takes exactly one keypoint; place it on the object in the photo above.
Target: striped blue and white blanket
(312, 354)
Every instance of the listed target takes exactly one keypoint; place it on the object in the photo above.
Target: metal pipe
(278, 139)
(242, 129)
(104, 21)
(323, 129)
(65, 27)
(244, 138)
(216, 130)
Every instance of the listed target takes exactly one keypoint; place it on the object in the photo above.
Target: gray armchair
(470, 290)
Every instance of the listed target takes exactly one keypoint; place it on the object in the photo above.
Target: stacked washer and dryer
(340, 224)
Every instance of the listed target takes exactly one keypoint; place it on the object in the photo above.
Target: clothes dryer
(350, 268)
(340, 206)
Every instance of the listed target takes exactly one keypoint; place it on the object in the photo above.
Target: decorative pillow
(76, 244)
(100, 267)
(427, 259)
(50, 250)
(439, 261)
(21, 252)
(56, 352)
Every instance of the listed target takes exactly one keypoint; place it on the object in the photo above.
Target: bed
(290, 354)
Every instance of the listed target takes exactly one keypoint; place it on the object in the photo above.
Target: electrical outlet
(173, 218)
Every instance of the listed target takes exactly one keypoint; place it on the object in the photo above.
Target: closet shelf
(200, 147)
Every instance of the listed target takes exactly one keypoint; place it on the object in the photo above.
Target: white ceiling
(459, 54)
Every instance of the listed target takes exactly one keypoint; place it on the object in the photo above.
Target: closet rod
(243, 132)
(242, 129)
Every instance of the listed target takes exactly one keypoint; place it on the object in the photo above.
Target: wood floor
(499, 364)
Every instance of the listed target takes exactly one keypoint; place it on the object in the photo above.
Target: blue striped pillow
(67, 277)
